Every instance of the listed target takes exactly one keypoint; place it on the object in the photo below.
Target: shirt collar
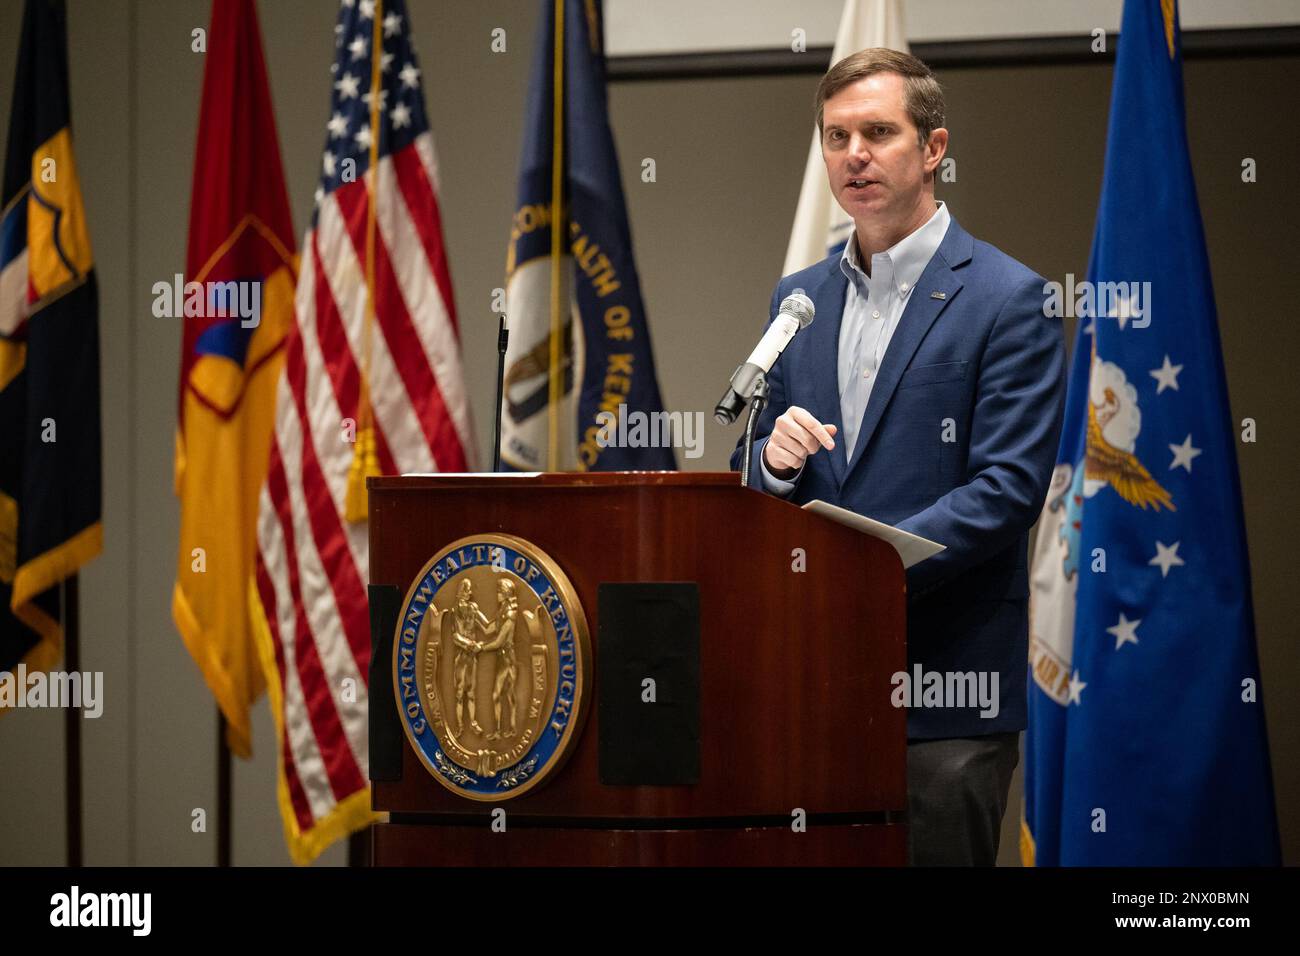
(908, 257)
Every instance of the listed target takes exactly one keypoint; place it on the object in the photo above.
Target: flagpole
(223, 792)
(555, 392)
(72, 722)
(365, 460)
(376, 85)
(359, 847)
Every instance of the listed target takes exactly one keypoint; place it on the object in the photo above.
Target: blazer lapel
(823, 354)
(922, 309)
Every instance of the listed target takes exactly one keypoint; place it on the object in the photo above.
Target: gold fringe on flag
(364, 465)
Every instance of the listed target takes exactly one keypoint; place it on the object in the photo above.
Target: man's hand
(795, 436)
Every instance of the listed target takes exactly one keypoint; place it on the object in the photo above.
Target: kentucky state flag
(579, 344)
(49, 354)
(1146, 741)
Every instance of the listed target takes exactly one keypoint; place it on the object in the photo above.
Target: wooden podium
(801, 624)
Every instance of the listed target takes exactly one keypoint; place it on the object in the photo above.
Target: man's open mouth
(861, 183)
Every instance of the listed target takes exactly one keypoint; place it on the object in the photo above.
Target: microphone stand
(503, 336)
(756, 404)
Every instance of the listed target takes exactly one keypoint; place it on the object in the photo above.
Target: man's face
(874, 163)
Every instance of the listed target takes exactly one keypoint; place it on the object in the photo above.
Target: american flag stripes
(404, 362)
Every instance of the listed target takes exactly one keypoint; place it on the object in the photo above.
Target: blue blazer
(973, 346)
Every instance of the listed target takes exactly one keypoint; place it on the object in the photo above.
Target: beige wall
(710, 237)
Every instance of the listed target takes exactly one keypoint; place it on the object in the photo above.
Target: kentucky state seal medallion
(491, 665)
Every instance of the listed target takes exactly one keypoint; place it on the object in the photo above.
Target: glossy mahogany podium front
(801, 625)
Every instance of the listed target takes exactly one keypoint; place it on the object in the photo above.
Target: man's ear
(935, 149)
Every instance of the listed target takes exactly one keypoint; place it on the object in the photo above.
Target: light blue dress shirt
(873, 306)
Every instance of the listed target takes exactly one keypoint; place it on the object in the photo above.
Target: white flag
(820, 225)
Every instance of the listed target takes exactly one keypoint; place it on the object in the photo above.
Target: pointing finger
(817, 429)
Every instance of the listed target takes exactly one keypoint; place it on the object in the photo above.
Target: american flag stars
(375, 330)
(400, 105)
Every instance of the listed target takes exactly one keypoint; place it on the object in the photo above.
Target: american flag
(313, 563)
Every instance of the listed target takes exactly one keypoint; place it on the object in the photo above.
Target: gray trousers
(956, 796)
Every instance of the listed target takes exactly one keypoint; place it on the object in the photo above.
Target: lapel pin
(938, 295)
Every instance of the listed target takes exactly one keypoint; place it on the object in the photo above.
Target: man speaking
(928, 394)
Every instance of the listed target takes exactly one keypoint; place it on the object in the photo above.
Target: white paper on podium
(911, 548)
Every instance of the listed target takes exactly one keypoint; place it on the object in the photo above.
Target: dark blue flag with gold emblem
(1146, 741)
(49, 354)
(580, 386)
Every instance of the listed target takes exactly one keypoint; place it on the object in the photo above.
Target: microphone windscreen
(799, 307)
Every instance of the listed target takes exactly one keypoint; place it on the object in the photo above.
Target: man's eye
(881, 130)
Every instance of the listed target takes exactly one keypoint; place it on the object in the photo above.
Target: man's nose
(859, 149)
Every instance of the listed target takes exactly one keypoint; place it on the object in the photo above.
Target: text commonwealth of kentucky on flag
(1146, 742)
(579, 348)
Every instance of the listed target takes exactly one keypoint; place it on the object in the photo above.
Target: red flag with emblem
(236, 304)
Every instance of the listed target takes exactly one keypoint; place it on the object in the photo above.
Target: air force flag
(1146, 741)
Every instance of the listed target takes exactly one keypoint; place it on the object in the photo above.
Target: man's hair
(922, 96)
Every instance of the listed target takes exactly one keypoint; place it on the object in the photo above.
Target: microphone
(796, 313)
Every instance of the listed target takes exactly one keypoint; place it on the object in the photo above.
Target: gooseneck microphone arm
(756, 404)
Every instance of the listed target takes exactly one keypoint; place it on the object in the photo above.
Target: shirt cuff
(772, 484)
